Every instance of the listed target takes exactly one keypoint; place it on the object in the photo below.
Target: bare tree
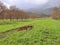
(56, 13)
(2, 9)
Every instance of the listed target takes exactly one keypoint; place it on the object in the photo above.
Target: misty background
(34, 6)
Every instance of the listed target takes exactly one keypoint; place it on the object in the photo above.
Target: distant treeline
(14, 13)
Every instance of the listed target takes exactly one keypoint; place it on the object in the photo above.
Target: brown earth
(6, 33)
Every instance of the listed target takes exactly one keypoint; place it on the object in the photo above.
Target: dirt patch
(4, 34)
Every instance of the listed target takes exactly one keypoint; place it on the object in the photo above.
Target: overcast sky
(26, 4)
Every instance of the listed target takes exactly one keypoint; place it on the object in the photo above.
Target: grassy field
(44, 32)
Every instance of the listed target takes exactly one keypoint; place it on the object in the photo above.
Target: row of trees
(13, 13)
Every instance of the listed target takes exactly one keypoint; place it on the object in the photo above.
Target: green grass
(7, 24)
(45, 32)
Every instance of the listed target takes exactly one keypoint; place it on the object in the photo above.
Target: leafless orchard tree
(56, 13)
